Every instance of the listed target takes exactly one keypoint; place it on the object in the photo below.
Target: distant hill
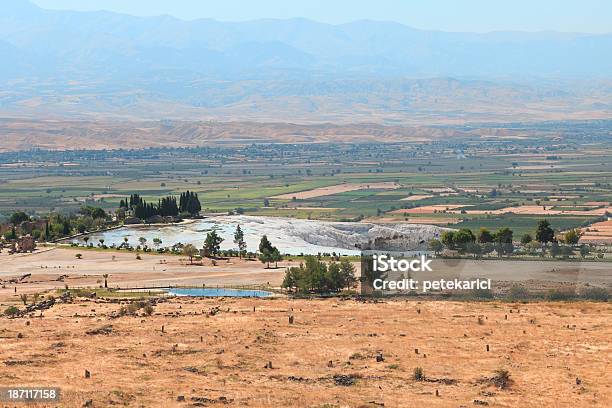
(94, 44)
(26, 134)
(82, 63)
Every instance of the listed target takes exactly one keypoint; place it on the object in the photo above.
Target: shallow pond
(218, 292)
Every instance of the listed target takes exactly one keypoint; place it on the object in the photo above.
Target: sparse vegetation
(501, 379)
(11, 311)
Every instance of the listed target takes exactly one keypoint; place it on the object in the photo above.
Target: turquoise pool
(219, 292)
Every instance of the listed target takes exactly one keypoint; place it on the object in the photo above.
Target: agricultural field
(564, 175)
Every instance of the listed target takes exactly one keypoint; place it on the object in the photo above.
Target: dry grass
(327, 357)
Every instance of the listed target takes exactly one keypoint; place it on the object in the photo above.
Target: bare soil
(214, 352)
(340, 188)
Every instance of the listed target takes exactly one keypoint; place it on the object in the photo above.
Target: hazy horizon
(319, 68)
(479, 16)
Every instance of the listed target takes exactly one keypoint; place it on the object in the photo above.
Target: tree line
(314, 275)
(188, 203)
(56, 225)
(502, 241)
(212, 247)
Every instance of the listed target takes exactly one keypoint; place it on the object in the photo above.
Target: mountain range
(71, 63)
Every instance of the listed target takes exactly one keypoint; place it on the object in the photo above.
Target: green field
(488, 174)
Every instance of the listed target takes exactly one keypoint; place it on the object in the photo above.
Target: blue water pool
(219, 292)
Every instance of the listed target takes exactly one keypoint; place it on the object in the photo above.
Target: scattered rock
(344, 380)
(104, 330)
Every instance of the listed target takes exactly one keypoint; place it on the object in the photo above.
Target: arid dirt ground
(213, 352)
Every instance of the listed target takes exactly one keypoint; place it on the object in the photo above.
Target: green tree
(567, 250)
(435, 245)
(485, 236)
(190, 251)
(239, 240)
(525, 239)
(265, 244)
(572, 236)
(334, 277)
(544, 233)
(294, 277)
(555, 249)
(12, 234)
(474, 248)
(212, 243)
(265, 256)
(463, 238)
(19, 217)
(503, 241)
(503, 235)
(275, 256)
(316, 272)
(448, 239)
(93, 212)
(189, 203)
(347, 270)
(584, 250)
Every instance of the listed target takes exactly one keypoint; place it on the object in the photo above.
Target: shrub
(78, 256)
(501, 379)
(482, 293)
(11, 311)
(148, 309)
(518, 292)
(561, 294)
(133, 307)
(418, 374)
(600, 294)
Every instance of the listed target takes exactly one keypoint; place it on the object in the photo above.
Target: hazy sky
(592, 16)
